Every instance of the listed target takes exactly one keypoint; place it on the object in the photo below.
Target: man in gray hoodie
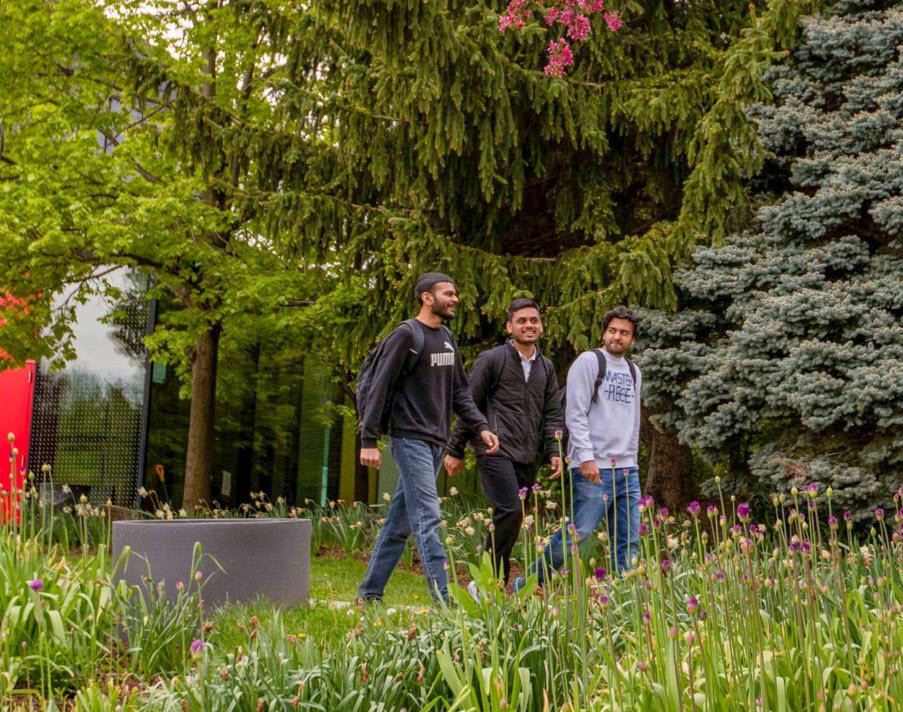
(603, 420)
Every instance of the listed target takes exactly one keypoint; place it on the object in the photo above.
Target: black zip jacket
(422, 399)
(523, 414)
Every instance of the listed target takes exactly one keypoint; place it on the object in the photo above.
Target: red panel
(16, 402)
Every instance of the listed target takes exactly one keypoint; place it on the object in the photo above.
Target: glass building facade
(88, 418)
(110, 422)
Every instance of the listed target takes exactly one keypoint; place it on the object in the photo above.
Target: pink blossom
(613, 20)
(579, 28)
(560, 56)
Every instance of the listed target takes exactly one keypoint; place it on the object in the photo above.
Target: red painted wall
(16, 403)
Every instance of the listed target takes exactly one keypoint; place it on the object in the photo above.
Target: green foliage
(582, 191)
(790, 340)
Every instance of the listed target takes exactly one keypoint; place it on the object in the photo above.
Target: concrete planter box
(267, 558)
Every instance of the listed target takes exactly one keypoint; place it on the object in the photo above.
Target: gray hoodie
(608, 429)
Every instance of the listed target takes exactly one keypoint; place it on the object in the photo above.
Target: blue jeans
(620, 512)
(414, 510)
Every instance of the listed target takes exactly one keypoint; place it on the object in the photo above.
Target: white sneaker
(473, 591)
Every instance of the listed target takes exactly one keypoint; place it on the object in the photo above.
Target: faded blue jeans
(614, 502)
(414, 510)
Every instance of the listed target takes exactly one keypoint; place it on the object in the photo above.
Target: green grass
(332, 579)
(337, 579)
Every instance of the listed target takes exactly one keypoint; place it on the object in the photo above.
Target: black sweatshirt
(523, 414)
(423, 398)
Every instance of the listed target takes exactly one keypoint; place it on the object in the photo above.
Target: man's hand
(555, 462)
(453, 465)
(491, 441)
(370, 457)
(590, 470)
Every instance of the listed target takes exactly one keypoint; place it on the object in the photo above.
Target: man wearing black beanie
(421, 393)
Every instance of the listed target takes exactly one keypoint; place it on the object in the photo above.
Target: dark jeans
(502, 479)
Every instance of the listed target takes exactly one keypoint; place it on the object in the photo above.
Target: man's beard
(443, 313)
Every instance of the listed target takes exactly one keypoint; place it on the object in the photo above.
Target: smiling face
(618, 337)
(525, 326)
(442, 299)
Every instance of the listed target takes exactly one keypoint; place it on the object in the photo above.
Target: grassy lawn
(337, 579)
(333, 579)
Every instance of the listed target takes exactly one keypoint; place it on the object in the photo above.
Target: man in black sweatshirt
(516, 387)
(421, 401)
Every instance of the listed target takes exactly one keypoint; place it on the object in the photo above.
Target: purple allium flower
(559, 434)
(36, 584)
(197, 648)
(600, 573)
(711, 511)
(692, 605)
(812, 488)
(663, 512)
(643, 529)
(656, 522)
(641, 666)
(719, 575)
(703, 614)
(879, 513)
(794, 545)
(522, 492)
(848, 516)
(694, 508)
(603, 600)
(649, 501)
(832, 522)
(647, 616)
(811, 505)
(743, 511)
(666, 565)
(806, 546)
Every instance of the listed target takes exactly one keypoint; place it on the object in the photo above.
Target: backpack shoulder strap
(600, 376)
(499, 357)
(416, 348)
(632, 366)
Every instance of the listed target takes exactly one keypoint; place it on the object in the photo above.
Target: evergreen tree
(788, 350)
(582, 191)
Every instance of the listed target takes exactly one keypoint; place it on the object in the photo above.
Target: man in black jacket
(516, 387)
(420, 400)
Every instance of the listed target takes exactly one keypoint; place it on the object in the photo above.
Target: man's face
(525, 326)
(442, 299)
(618, 337)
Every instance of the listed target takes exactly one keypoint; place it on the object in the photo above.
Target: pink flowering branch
(573, 15)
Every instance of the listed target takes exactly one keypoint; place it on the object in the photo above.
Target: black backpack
(368, 369)
(600, 377)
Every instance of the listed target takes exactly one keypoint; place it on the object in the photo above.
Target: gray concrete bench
(268, 558)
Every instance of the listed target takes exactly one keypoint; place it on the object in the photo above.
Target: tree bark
(199, 458)
(670, 478)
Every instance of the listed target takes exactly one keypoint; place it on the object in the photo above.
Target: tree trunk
(199, 459)
(670, 478)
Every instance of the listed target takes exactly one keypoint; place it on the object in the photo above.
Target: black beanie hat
(427, 281)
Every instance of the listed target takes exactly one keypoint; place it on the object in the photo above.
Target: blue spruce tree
(787, 357)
